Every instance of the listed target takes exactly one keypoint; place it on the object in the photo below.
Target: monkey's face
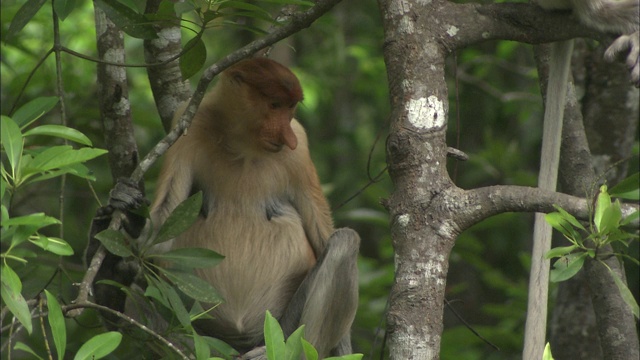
(275, 131)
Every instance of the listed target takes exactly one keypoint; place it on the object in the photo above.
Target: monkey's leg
(327, 299)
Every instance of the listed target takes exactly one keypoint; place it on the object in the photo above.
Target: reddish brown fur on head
(274, 92)
(270, 79)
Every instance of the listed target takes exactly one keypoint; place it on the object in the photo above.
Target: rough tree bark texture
(427, 210)
(168, 87)
(113, 93)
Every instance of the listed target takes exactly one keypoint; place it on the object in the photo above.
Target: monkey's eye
(292, 105)
(275, 105)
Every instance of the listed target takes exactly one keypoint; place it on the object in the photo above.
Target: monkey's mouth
(272, 146)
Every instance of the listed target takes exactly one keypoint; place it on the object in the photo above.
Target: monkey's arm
(307, 195)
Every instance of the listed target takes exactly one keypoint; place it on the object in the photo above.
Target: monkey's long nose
(288, 137)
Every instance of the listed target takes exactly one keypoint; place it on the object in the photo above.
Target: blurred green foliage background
(340, 65)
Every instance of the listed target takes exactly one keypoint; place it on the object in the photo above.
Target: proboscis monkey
(263, 209)
(617, 16)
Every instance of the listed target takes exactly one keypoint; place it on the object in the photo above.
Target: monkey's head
(267, 95)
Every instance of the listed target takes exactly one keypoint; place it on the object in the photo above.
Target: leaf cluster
(607, 227)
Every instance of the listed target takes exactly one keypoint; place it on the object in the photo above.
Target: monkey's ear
(236, 77)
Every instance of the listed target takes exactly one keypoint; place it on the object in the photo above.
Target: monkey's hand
(629, 44)
(127, 196)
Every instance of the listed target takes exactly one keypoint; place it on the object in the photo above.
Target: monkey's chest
(267, 255)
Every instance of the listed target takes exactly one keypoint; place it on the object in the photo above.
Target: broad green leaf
(78, 170)
(11, 278)
(627, 296)
(63, 8)
(546, 355)
(628, 219)
(53, 245)
(99, 346)
(345, 357)
(115, 242)
(560, 223)
(24, 347)
(610, 219)
(201, 347)
(310, 353)
(221, 347)
(61, 132)
(153, 292)
(15, 302)
(570, 218)
(131, 22)
(176, 303)
(274, 338)
(23, 16)
(603, 202)
(194, 58)
(628, 188)
(59, 156)
(180, 219)
(560, 251)
(191, 257)
(193, 286)
(12, 143)
(293, 346)
(56, 322)
(566, 267)
(33, 110)
(37, 219)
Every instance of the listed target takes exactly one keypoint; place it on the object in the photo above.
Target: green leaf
(63, 8)
(293, 346)
(61, 132)
(169, 293)
(12, 298)
(23, 16)
(603, 202)
(627, 188)
(628, 219)
(610, 219)
(39, 219)
(627, 296)
(191, 257)
(570, 218)
(134, 24)
(115, 242)
(546, 355)
(274, 338)
(33, 110)
(560, 251)
(310, 353)
(561, 224)
(12, 143)
(99, 346)
(193, 60)
(78, 170)
(221, 347)
(201, 347)
(345, 357)
(180, 219)
(59, 156)
(566, 267)
(56, 322)
(193, 286)
(53, 245)
(24, 347)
